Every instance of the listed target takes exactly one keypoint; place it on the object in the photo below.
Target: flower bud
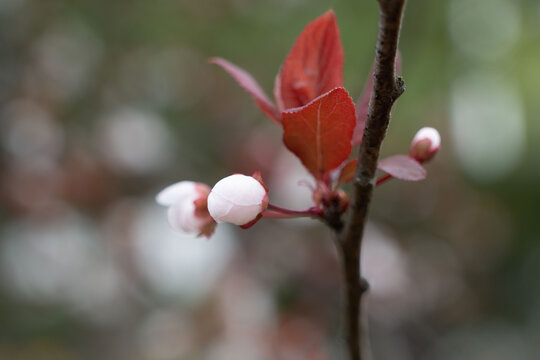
(187, 207)
(425, 144)
(237, 199)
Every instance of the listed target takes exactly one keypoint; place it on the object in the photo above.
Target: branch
(387, 87)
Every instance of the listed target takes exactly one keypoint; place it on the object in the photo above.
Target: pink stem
(276, 215)
(277, 212)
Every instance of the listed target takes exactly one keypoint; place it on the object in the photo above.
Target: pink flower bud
(187, 207)
(425, 144)
(237, 199)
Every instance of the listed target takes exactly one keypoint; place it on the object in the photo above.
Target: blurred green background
(103, 103)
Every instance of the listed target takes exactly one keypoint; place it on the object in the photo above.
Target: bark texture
(387, 87)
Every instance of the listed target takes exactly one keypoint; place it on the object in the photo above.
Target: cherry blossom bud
(237, 199)
(425, 144)
(187, 207)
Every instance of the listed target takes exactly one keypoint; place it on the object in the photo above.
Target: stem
(386, 89)
(277, 215)
(355, 286)
(383, 179)
(277, 212)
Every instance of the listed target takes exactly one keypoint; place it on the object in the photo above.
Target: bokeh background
(103, 103)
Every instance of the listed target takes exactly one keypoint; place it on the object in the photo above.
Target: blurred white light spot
(65, 58)
(288, 172)
(290, 184)
(484, 29)
(384, 264)
(135, 141)
(487, 126)
(179, 264)
(60, 262)
(29, 134)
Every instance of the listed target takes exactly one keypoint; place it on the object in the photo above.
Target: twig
(277, 212)
(383, 179)
(387, 87)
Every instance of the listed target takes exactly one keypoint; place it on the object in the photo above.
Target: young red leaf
(403, 167)
(347, 172)
(362, 106)
(246, 81)
(314, 66)
(320, 132)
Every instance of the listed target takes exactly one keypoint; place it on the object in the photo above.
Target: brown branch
(387, 87)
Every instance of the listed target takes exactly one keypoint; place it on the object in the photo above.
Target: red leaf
(403, 167)
(246, 81)
(347, 172)
(362, 106)
(314, 66)
(320, 132)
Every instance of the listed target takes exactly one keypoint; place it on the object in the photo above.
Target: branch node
(364, 285)
(400, 86)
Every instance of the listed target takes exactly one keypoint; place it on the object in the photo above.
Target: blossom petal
(174, 193)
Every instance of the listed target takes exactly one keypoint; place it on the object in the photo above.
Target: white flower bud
(237, 199)
(175, 193)
(425, 144)
(187, 207)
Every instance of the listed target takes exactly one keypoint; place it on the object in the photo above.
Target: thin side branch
(387, 87)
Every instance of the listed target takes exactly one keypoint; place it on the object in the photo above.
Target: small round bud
(237, 199)
(187, 207)
(425, 144)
